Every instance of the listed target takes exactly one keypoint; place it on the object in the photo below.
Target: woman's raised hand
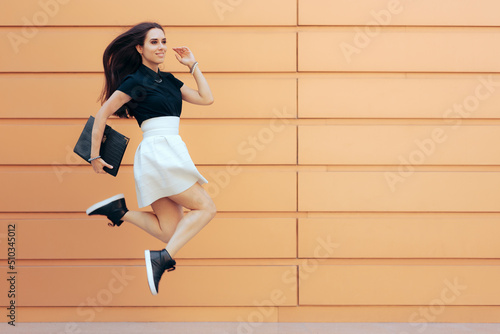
(184, 56)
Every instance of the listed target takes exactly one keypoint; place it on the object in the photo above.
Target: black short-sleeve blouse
(153, 94)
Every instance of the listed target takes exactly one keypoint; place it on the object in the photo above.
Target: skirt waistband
(160, 126)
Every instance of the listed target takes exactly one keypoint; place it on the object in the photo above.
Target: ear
(139, 48)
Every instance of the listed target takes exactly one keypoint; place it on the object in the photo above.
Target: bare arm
(115, 101)
(203, 95)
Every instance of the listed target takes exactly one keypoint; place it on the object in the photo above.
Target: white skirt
(162, 164)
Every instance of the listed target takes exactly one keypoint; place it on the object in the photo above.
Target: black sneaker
(114, 208)
(156, 264)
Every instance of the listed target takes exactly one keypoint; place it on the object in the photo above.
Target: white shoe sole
(103, 203)
(149, 270)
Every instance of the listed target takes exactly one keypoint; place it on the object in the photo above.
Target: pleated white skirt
(162, 164)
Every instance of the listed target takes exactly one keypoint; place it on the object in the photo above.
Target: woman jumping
(165, 176)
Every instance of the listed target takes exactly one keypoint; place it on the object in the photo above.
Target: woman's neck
(154, 67)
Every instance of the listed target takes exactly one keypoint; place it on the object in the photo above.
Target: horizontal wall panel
(222, 238)
(54, 144)
(408, 236)
(272, 142)
(451, 97)
(165, 12)
(395, 144)
(53, 55)
(46, 92)
(128, 286)
(400, 50)
(62, 315)
(237, 238)
(262, 96)
(400, 285)
(399, 12)
(403, 190)
(258, 96)
(408, 314)
(74, 189)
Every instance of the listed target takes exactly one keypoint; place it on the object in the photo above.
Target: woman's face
(154, 49)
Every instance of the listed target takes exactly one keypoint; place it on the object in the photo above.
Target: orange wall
(351, 153)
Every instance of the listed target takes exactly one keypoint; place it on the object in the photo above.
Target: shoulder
(131, 83)
(133, 77)
(127, 80)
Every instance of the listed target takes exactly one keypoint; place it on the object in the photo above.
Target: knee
(165, 237)
(211, 209)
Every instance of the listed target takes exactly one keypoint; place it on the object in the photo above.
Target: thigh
(168, 212)
(194, 198)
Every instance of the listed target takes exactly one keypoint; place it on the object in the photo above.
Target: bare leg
(169, 224)
(202, 211)
(166, 225)
(162, 224)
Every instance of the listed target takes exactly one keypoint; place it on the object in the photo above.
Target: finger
(106, 164)
(181, 49)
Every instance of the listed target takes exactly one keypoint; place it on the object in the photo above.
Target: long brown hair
(121, 59)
